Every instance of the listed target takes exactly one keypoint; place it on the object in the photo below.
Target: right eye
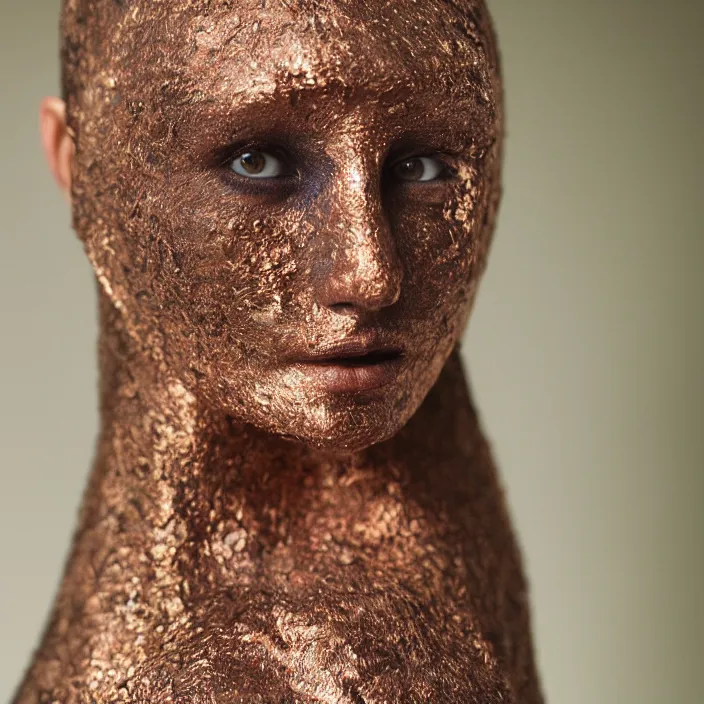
(256, 163)
(419, 168)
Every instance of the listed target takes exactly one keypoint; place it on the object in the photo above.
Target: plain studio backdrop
(585, 348)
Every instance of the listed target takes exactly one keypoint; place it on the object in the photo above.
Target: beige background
(585, 349)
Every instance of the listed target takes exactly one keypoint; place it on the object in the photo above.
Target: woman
(288, 207)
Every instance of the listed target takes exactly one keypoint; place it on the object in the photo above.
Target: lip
(357, 364)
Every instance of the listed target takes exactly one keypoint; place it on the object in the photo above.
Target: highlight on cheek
(292, 499)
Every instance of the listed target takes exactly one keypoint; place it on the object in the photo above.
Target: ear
(57, 142)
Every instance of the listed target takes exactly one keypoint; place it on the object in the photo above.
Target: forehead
(230, 47)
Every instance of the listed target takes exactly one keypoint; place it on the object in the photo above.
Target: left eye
(419, 168)
(257, 164)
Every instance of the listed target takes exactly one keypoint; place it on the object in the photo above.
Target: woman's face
(257, 183)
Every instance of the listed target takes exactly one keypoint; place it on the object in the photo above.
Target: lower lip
(338, 378)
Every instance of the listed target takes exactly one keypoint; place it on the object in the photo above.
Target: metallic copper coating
(256, 529)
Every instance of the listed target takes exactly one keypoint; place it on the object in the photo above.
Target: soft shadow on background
(585, 350)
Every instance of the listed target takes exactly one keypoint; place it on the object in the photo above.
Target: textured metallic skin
(246, 535)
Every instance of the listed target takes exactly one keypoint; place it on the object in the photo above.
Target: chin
(345, 442)
(332, 421)
(344, 424)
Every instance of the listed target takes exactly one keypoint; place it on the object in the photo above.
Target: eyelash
(264, 185)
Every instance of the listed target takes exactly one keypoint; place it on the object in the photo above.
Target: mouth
(360, 360)
(351, 367)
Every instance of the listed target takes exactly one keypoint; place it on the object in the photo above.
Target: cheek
(441, 245)
(236, 275)
(246, 271)
(184, 263)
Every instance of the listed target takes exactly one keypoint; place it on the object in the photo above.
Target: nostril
(353, 693)
(345, 307)
(349, 291)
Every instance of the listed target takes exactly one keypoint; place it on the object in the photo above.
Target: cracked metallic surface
(247, 534)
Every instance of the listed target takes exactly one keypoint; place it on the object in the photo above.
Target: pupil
(253, 162)
(411, 169)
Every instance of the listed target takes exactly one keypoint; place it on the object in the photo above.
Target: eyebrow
(226, 117)
(281, 92)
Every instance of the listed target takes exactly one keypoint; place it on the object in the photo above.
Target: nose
(362, 269)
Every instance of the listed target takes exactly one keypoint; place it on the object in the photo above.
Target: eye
(256, 163)
(419, 168)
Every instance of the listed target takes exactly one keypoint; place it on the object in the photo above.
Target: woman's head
(257, 182)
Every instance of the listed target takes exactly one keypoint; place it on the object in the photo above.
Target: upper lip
(357, 346)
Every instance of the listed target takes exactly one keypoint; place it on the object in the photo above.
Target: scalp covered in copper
(249, 534)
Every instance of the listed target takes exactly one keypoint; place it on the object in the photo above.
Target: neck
(192, 466)
(186, 508)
